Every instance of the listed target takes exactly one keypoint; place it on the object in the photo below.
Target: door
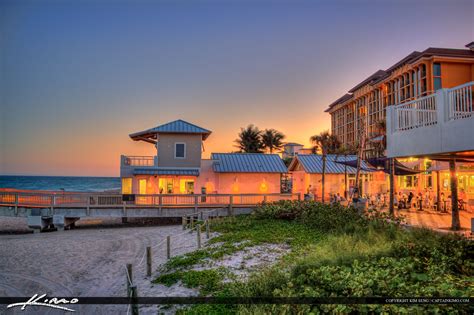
(142, 191)
(142, 186)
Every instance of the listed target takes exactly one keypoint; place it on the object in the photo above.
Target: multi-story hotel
(419, 74)
(413, 87)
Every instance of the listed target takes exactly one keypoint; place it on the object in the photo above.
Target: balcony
(128, 164)
(439, 123)
(126, 161)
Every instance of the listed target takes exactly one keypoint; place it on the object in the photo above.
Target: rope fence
(190, 223)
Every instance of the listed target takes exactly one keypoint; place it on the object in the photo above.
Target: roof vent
(470, 46)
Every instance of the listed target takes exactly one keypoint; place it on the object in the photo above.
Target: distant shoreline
(60, 184)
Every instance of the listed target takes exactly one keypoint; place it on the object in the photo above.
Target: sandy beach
(85, 262)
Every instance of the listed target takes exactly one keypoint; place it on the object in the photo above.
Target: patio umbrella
(382, 164)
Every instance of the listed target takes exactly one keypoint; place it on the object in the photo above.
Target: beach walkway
(88, 262)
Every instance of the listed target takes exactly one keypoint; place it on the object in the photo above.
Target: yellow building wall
(454, 74)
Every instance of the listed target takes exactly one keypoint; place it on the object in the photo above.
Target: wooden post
(196, 203)
(124, 209)
(134, 296)
(264, 198)
(323, 178)
(438, 191)
(345, 177)
(148, 261)
(299, 196)
(183, 222)
(392, 186)
(208, 230)
(455, 224)
(168, 247)
(160, 202)
(53, 201)
(231, 201)
(88, 211)
(16, 204)
(129, 278)
(192, 221)
(199, 235)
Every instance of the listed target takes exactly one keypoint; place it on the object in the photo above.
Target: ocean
(66, 183)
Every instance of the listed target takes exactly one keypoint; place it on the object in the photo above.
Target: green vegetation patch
(254, 231)
(206, 280)
(338, 252)
(241, 232)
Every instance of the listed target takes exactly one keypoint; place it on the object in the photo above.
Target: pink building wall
(248, 183)
(221, 183)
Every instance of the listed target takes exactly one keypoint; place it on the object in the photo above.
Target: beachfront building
(178, 166)
(418, 75)
(290, 149)
(422, 107)
(306, 173)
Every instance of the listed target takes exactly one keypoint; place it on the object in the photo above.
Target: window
(142, 185)
(186, 186)
(437, 69)
(165, 185)
(410, 181)
(437, 76)
(126, 186)
(180, 150)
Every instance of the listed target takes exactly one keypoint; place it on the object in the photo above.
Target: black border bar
(253, 300)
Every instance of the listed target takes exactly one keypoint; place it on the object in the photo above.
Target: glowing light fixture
(263, 186)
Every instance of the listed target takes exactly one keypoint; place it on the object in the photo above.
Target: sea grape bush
(324, 217)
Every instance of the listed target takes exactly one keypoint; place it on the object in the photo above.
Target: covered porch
(155, 180)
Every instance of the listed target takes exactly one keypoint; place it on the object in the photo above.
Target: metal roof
(247, 163)
(166, 171)
(313, 163)
(177, 126)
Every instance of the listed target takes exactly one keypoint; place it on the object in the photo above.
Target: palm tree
(455, 223)
(380, 145)
(272, 140)
(249, 140)
(327, 143)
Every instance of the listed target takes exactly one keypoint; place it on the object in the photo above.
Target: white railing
(138, 160)
(460, 101)
(417, 113)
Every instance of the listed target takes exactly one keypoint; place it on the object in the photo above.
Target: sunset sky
(76, 77)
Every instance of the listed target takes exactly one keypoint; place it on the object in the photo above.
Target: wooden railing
(101, 200)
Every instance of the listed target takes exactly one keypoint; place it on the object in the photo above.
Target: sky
(77, 77)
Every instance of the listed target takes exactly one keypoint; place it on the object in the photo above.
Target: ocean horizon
(66, 183)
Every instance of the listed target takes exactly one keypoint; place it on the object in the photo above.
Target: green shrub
(206, 280)
(338, 252)
(328, 218)
(450, 251)
(385, 276)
